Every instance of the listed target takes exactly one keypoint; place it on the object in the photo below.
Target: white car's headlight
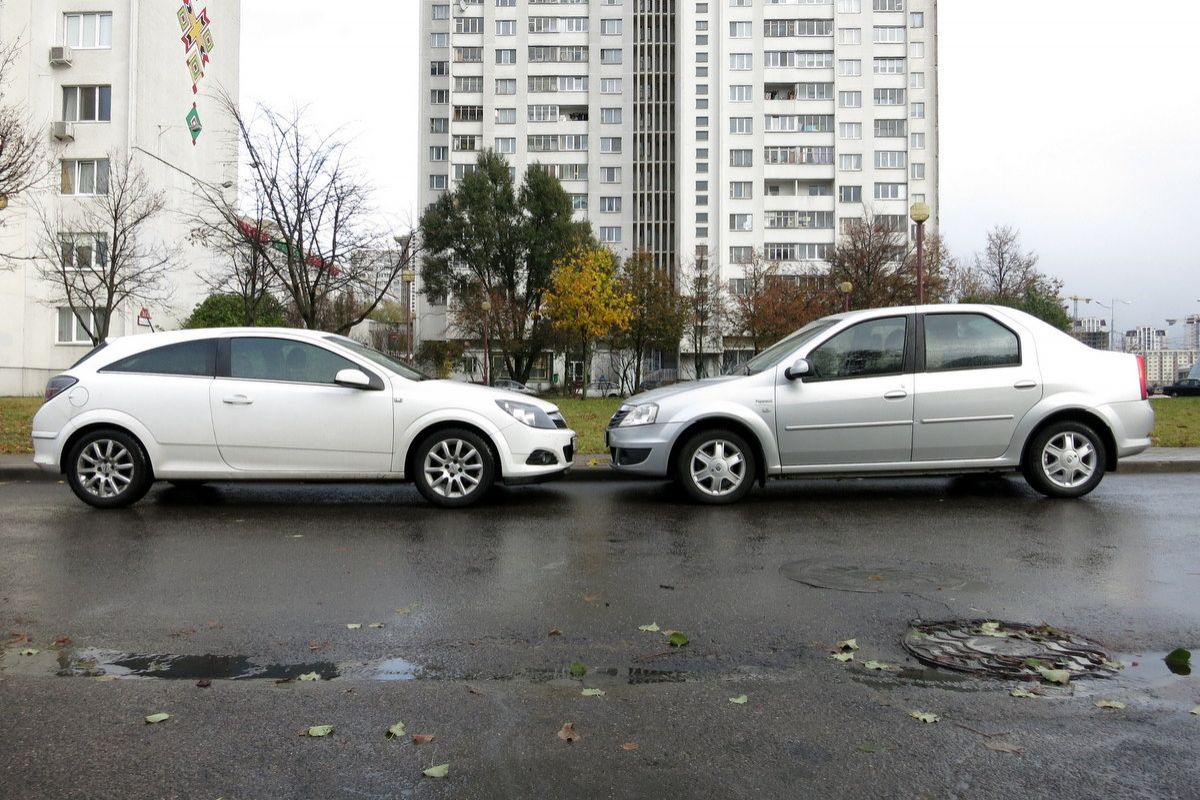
(527, 414)
(643, 414)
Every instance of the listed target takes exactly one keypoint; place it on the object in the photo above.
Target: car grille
(617, 417)
(569, 453)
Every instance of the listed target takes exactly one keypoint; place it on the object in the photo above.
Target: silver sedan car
(925, 390)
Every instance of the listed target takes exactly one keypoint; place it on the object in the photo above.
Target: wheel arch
(102, 426)
(1081, 415)
(449, 424)
(717, 422)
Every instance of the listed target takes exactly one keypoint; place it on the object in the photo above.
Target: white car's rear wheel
(108, 469)
(716, 466)
(1065, 459)
(454, 468)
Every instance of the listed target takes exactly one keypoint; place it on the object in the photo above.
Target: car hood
(655, 395)
(473, 392)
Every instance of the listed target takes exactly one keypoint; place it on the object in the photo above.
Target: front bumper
(530, 450)
(627, 445)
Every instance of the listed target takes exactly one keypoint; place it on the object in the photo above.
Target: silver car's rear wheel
(1065, 459)
(716, 466)
(108, 469)
(454, 468)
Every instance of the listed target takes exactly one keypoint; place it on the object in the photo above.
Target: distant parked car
(896, 391)
(1188, 387)
(513, 386)
(277, 404)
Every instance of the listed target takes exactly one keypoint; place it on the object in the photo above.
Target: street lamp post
(486, 306)
(919, 213)
(1112, 321)
(845, 287)
(408, 277)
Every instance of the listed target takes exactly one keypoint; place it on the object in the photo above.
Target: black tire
(1065, 459)
(446, 462)
(709, 473)
(108, 469)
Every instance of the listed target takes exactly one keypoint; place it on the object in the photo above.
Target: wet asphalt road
(271, 576)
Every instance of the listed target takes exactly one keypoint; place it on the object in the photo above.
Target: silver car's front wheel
(1065, 459)
(454, 468)
(716, 466)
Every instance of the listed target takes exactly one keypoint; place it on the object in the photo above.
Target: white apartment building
(111, 78)
(696, 131)
(1191, 331)
(1164, 367)
(1144, 339)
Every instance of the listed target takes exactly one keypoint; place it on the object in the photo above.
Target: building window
(579, 202)
(468, 24)
(916, 49)
(610, 205)
(506, 144)
(87, 103)
(889, 66)
(610, 27)
(741, 158)
(610, 235)
(918, 171)
(85, 177)
(87, 31)
(888, 5)
(741, 255)
(849, 67)
(916, 80)
(610, 86)
(850, 162)
(506, 27)
(610, 55)
(506, 86)
(849, 6)
(468, 55)
(437, 40)
(891, 191)
(890, 128)
(506, 116)
(850, 194)
(889, 34)
(741, 61)
(83, 251)
(74, 330)
(916, 19)
(439, 97)
(610, 116)
(889, 97)
(740, 30)
(610, 144)
(917, 111)
(740, 93)
(439, 153)
(849, 35)
(441, 11)
(610, 174)
(741, 190)
(849, 130)
(891, 159)
(439, 68)
(917, 141)
(506, 56)
(437, 182)
(741, 125)
(741, 222)
(850, 99)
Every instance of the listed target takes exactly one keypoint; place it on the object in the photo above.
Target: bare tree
(313, 228)
(871, 257)
(22, 160)
(703, 298)
(244, 271)
(1006, 270)
(97, 254)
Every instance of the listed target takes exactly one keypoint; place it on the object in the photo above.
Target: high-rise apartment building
(103, 80)
(696, 131)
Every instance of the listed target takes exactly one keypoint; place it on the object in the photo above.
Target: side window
(869, 348)
(186, 358)
(283, 360)
(968, 341)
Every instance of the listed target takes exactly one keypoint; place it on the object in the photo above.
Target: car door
(278, 409)
(976, 378)
(857, 405)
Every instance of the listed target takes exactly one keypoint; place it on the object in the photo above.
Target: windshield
(774, 354)
(383, 360)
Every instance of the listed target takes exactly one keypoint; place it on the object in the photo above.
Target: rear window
(197, 358)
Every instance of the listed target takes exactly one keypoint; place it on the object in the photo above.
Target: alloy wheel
(453, 468)
(105, 468)
(1069, 460)
(718, 467)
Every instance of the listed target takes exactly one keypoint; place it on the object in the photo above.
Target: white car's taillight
(59, 384)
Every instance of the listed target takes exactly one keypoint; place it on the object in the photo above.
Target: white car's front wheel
(454, 468)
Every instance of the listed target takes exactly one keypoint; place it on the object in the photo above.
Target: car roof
(120, 346)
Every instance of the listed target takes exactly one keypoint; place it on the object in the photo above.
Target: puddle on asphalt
(94, 663)
(878, 579)
(1152, 669)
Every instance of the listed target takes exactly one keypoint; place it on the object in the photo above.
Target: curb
(580, 473)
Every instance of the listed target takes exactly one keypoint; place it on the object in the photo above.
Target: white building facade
(107, 79)
(695, 131)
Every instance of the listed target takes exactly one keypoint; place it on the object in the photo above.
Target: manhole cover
(868, 579)
(1006, 649)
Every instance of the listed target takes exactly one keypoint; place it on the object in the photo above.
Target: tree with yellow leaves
(586, 301)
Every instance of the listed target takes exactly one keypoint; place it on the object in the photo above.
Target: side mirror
(354, 378)
(798, 370)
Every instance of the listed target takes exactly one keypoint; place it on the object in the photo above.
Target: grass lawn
(1177, 421)
(16, 417)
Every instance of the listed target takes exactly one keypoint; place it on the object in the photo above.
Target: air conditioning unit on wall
(63, 131)
(60, 56)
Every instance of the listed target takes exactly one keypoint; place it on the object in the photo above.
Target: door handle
(1024, 384)
(237, 400)
(896, 394)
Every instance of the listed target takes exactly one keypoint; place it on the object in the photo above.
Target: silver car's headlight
(527, 414)
(643, 414)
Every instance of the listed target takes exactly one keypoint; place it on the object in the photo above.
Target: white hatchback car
(282, 404)
(896, 391)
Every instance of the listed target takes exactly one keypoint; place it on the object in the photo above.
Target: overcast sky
(1075, 122)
